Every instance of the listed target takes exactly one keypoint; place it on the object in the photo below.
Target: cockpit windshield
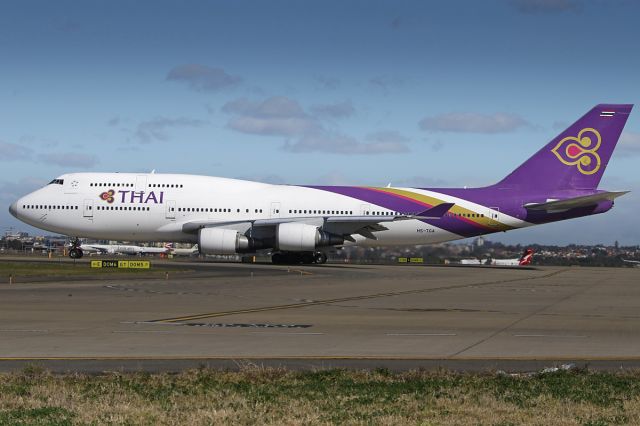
(56, 182)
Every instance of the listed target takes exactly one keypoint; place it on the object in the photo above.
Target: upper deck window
(57, 182)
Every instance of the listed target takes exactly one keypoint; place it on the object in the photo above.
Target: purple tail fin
(577, 157)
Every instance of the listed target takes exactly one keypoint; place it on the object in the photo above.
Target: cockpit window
(56, 182)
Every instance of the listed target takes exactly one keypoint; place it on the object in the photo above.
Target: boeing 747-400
(298, 224)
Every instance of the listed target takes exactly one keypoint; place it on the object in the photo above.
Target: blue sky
(415, 93)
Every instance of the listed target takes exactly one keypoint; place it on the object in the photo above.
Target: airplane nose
(13, 209)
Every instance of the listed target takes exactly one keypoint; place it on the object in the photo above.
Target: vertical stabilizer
(577, 157)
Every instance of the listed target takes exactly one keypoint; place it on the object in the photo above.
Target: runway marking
(142, 331)
(300, 271)
(519, 320)
(286, 334)
(421, 334)
(549, 335)
(346, 299)
(24, 331)
(227, 325)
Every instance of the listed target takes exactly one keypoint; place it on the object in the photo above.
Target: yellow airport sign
(121, 264)
(410, 260)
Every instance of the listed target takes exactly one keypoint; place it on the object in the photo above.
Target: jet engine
(293, 236)
(227, 241)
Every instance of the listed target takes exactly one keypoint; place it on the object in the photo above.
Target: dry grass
(271, 396)
(37, 269)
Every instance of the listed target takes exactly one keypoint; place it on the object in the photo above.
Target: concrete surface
(399, 317)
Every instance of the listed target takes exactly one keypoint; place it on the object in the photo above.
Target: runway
(398, 317)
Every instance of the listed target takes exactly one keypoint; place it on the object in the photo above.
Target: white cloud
(304, 133)
(14, 152)
(342, 144)
(275, 116)
(386, 82)
(327, 83)
(629, 142)
(471, 122)
(387, 136)
(203, 78)
(69, 159)
(336, 111)
(157, 129)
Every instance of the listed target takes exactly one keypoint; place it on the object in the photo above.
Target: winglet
(435, 212)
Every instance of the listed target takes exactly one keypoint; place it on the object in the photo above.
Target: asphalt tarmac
(396, 317)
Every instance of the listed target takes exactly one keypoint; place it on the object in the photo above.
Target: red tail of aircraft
(526, 258)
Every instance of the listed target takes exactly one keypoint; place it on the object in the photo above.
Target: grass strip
(276, 396)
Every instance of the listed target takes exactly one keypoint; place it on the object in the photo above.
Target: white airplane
(299, 223)
(121, 249)
(635, 263)
(184, 251)
(523, 260)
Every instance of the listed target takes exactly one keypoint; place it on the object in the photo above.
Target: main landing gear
(298, 258)
(75, 252)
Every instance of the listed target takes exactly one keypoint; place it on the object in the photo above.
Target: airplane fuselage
(154, 207)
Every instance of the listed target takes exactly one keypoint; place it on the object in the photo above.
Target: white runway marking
(288, 334)
(24, 331)
(421, 334)
(548, 335)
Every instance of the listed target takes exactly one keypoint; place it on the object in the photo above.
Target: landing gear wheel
(75, 253)
(319, 258)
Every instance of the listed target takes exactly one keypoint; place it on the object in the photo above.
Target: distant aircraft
(183, 252)
(635, 263)
(298, 224)
(123, 249)
(523, 260)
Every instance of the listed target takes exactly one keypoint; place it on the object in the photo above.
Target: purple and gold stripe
(405, 201)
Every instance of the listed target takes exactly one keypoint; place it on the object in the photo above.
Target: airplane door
(170, 210)
(88, 208)
(275, 210)
(494, 216)
(365, 209)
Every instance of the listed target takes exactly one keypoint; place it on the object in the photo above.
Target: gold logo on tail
(580, 151)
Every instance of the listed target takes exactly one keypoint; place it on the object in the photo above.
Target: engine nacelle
(293, 236)
(229, 241)
(220, 241)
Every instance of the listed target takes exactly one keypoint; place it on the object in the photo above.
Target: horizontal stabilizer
(576, 202)
(435, 212)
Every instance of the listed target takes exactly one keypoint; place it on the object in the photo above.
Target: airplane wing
(339, 225)
(572, 203)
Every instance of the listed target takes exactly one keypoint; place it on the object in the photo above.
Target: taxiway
(399, 317)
